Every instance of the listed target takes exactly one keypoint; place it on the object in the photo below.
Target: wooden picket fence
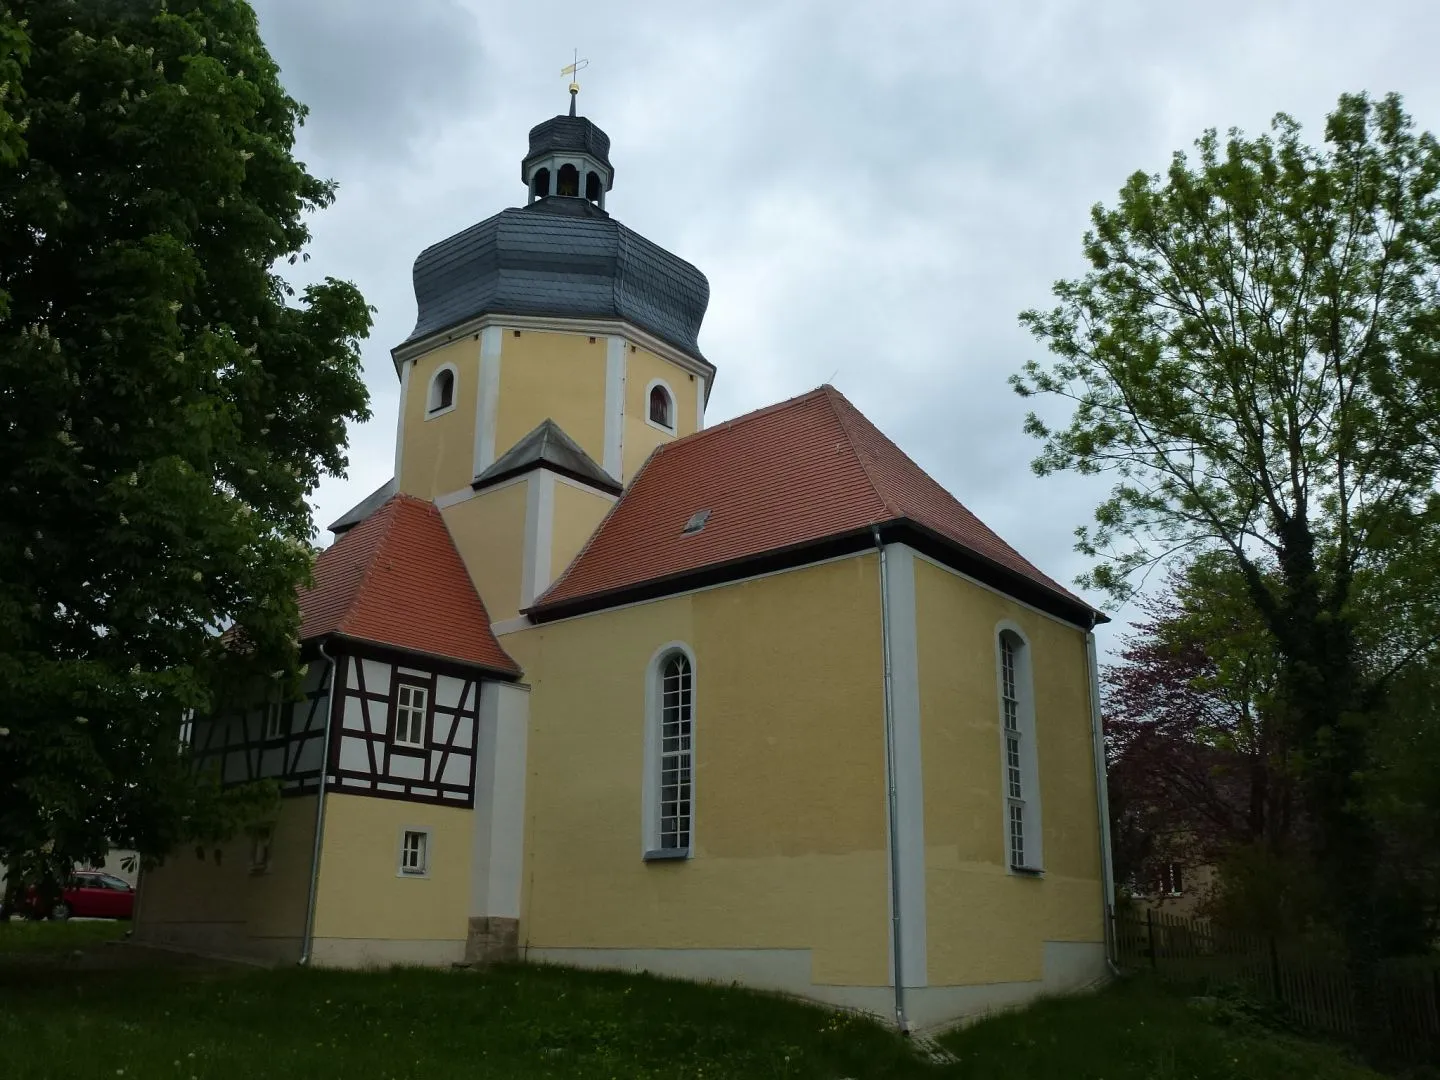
(1314, 991)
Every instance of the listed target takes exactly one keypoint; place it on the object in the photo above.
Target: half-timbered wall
(369, 757)
(237, 744)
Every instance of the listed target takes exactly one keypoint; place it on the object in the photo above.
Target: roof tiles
(792, 474)
(396, 579)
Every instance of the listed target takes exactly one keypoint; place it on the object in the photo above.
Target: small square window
(414, 853)
(411, 703)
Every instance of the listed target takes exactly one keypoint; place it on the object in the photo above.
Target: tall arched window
(593, 187)
(567, 181)
(669, 757)
(662, 408)
(541, 183)
(1020, 774)
(442, 391)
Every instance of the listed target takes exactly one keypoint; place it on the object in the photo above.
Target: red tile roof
(396, 579)
(795, 473)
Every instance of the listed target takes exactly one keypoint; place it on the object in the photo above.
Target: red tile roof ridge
(381, 519)
(688, 441)
(753, 414)
(370, 559)
(834, 398)
(555, 585)
(851, 420)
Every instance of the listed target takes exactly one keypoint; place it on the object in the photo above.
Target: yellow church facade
(592, 682)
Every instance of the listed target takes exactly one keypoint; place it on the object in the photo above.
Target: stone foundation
(493, 939)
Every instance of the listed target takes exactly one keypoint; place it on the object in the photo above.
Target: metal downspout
(319, 814)
(891, 792)
(1102, 803)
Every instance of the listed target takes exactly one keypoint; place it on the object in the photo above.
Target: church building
(593, 683)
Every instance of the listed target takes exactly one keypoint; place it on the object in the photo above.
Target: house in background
(592, 683)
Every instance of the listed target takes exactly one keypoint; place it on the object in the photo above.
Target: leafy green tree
(166, 405)
(1255, 353)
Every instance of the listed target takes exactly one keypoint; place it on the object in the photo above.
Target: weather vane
(573, 69)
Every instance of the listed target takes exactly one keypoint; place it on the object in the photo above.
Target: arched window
(442, 391)
(540, 183)
(662, 409)
(567, 182)
(592, 187)
(1020, 774)
(669, 757)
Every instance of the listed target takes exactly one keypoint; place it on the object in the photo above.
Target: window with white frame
(411, 706)
(660, 405)
(260, 853)
(442, 391)
(675, 758)
(414, 852)
(274, 720)
(1019, 773)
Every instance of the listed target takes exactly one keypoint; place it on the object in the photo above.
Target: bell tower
(553, 350)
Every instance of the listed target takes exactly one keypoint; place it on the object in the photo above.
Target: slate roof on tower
(783, 481)
(547, 446)
(395, 579)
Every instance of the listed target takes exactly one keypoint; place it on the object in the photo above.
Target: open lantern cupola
(569, 158)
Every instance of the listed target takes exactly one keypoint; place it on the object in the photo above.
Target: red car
(90, 894)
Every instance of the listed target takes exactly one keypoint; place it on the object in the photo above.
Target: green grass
(24, 936)
(1138, 1031)
(58, 1019)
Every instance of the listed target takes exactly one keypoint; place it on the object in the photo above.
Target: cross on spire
(573, 69)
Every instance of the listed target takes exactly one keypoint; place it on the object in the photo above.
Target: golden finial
(572, 69)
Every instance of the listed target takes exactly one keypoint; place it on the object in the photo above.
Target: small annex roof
(782, 482)
(365, 507)
(548, 446)
(396, 580)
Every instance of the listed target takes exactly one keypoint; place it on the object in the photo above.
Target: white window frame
(1019, 755)
(260, 853)
(674, 407)
(651, 849)
(430, 412)
(409, 710)
(273, 726)
(427, 851)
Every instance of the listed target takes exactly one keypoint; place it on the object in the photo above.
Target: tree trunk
(1320, 687)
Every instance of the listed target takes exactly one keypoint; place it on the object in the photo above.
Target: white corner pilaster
(539, 534)
(405, 369)
(487, 397)
(700, 403)
(498, 856)
(614, 462)
(909, 784)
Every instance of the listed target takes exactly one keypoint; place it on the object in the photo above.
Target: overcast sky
(874, 190)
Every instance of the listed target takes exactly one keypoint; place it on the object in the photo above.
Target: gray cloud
(873, 190)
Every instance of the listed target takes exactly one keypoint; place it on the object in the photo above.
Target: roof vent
(696, 522)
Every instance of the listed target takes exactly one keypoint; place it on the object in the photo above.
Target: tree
(1255, 353)
(165, 408)
(1195, 747)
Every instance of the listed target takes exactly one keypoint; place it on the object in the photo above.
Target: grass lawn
(23, 936)
(59, 1018)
